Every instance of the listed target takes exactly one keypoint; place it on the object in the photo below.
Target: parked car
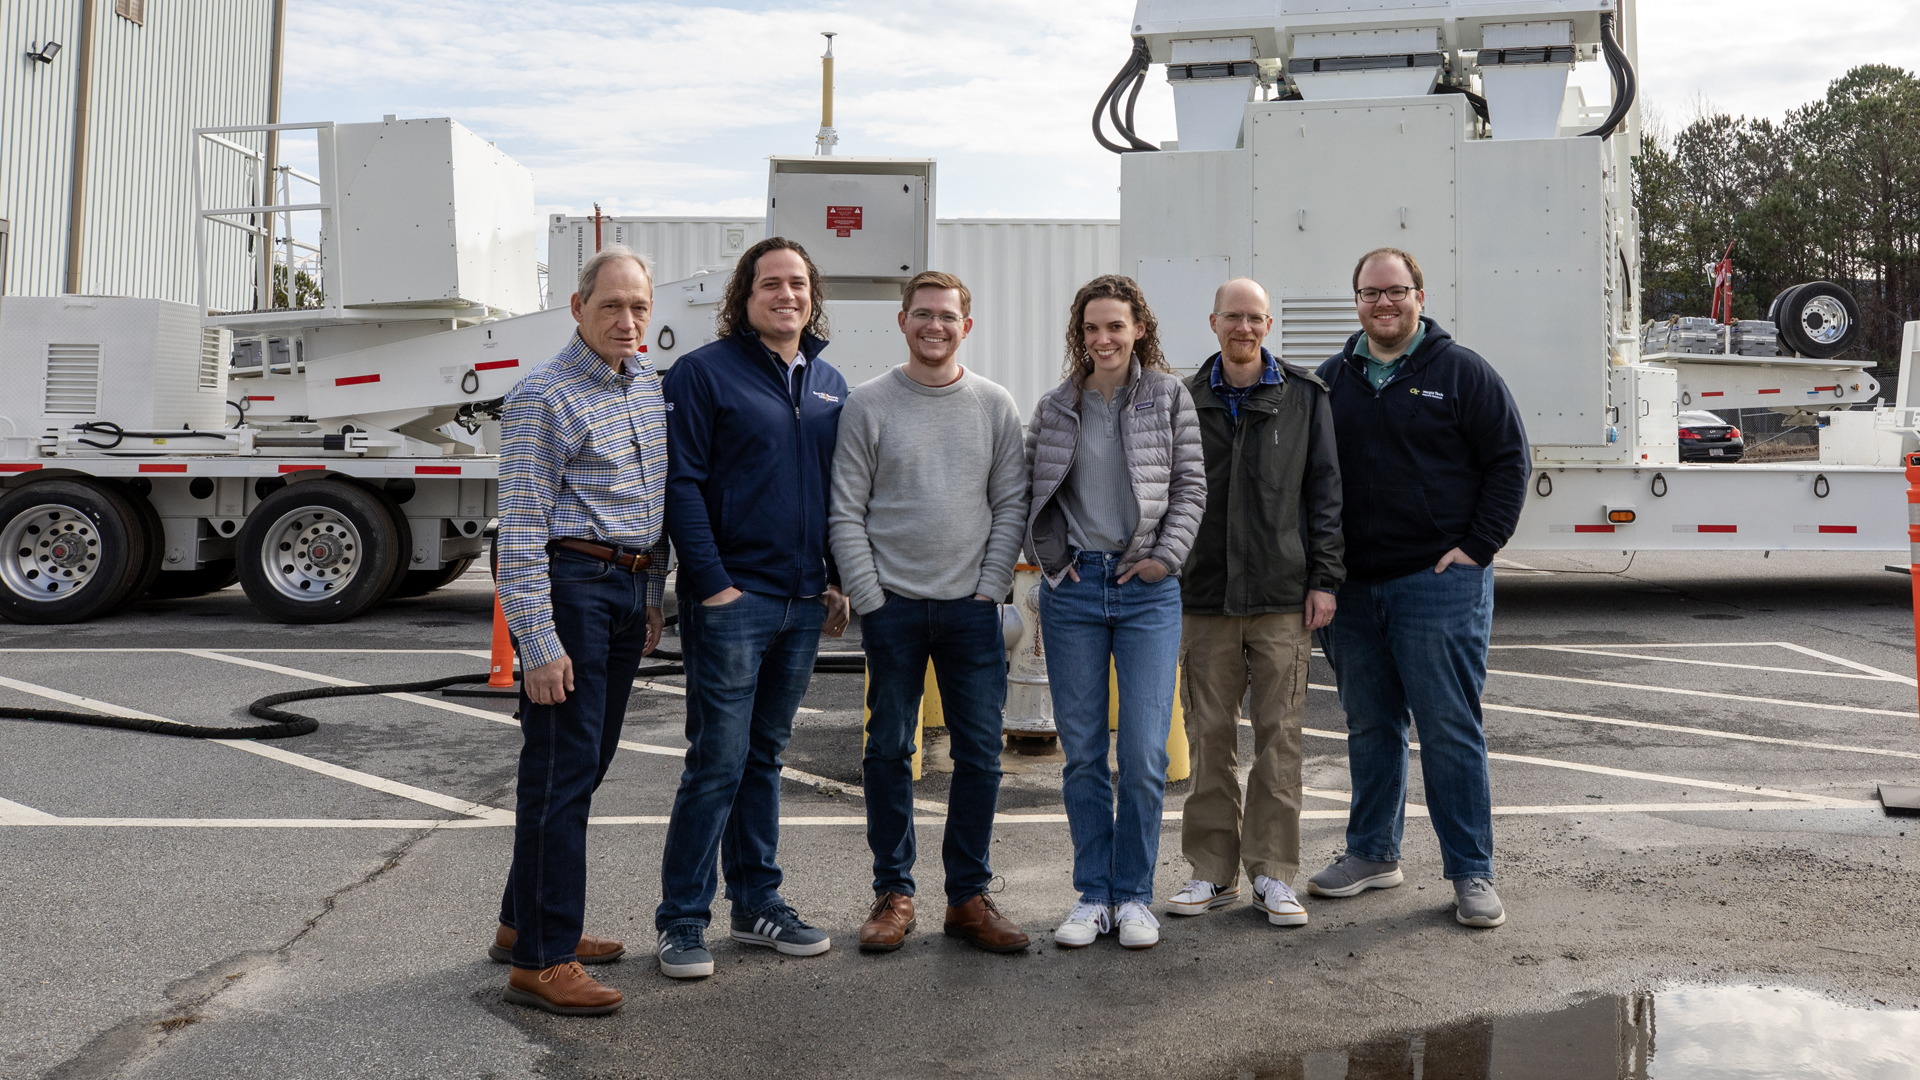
(1706, 437)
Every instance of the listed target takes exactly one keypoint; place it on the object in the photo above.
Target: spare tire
(1818, 319)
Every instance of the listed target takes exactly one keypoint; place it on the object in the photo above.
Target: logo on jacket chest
(824, 396)
(1434, 394)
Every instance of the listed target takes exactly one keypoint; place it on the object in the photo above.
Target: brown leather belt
(632, 561)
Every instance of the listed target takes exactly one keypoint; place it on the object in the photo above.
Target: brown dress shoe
(565, 989)
(978, 921)
(591, 950)
(887, 924)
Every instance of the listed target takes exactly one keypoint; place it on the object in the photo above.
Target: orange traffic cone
(501, 674)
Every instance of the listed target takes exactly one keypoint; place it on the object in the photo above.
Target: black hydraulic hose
(1106, 98)
(1133, 72)
(287, 725)
(1625, 83)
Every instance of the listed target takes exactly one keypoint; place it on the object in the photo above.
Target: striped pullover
(583, 454)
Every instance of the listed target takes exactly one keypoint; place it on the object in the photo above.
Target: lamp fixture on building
(46, 53)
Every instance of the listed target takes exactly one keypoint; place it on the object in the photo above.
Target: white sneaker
(1084, 923)
(1200, 897)
(1138, 928)
(1277, 900)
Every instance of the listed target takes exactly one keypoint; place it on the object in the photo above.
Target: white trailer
(328, 455)
(1311, 132)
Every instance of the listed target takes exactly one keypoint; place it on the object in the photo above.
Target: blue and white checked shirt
(583, 454)
(1236, 396)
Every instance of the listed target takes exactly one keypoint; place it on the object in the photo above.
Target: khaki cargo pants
(1219, 653)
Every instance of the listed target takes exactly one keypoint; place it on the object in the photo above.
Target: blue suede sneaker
(780, 928)
(683, 953)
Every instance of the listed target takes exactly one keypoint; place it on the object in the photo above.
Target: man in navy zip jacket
(1434, 467)
(751, 424)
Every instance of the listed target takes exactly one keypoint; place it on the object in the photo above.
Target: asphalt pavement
(1686, 751)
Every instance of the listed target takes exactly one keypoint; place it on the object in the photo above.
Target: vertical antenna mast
(824, 142)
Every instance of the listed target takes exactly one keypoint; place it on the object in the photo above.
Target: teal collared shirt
(1378, 373)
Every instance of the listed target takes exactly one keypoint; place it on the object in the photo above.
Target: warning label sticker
(843, 219)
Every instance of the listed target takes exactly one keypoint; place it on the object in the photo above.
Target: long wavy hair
(1112, 287)
(733, 303)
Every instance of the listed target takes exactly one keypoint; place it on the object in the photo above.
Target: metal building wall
(36, 140)
(194, 63)
(1023, 275)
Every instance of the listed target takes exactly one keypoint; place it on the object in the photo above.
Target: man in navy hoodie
(1434, 467)
(751, 424)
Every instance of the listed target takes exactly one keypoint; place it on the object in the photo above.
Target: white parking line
(1715, 663)
(1703, 693)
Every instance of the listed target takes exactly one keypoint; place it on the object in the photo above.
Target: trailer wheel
(156, 533)
(404, 546)
(69, 550)
(318, 552)
(180, 584)
(422, 582)
(1818, 319)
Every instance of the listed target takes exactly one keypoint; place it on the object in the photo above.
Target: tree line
(1829, 193)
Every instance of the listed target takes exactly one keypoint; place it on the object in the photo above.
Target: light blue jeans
(1413, 650)
(1138, 625)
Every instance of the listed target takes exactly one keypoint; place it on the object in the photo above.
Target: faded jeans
(1413, 650)
(1137, 624)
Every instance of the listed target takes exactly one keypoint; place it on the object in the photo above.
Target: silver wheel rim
(50, 552)
(311, 553)
(1824, 320)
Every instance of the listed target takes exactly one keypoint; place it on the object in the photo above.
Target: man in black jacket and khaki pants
(1261, 577)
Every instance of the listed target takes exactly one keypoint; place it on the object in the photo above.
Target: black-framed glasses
(1396, 293)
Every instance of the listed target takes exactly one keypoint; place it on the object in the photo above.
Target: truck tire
(69, 550)
(180, 584)
(156, 532)
(1818, 319)
(318, 552)
(422, 582)
(405, 560)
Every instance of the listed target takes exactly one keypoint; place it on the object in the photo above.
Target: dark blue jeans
(1414, 649)
(1115, 827)
(600, 613)
(748, 665)
(962, 639)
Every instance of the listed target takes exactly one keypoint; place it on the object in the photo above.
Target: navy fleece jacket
(1433, 460)
(749, 468)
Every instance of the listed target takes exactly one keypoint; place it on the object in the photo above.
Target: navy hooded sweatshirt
(748, 468)
(1433, 460)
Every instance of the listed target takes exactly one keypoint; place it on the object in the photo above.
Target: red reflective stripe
(1717, 528)
(355, 380)
(1768, 391)
(1713, 393)
(1593, 528)
(1839, 528)
(20, 468)
(1819, 388)
(163, 468)
(259, 397)
(436, 470)
(298, 468)
(494, 365)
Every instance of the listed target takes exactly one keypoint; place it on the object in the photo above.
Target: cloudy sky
(671, 108)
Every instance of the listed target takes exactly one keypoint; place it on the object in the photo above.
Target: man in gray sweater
(929, 504)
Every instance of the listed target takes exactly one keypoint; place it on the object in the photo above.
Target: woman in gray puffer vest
(1117, 490)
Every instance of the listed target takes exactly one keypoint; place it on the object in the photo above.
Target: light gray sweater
(929, 490)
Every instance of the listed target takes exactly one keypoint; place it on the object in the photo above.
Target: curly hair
(1112, 287)
(733, 302)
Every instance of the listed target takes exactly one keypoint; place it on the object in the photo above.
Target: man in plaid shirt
(583, 555)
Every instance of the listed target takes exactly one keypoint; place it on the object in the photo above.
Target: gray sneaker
(683, 953)
(781, 929)
(1478, 904)
(1351, 875)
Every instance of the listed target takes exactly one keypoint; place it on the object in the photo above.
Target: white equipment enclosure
(1312, 131)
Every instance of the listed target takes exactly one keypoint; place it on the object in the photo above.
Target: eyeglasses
(945, 318)
(1235, 318)
(1394, 293)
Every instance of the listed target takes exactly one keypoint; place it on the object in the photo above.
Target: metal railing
(258, 219)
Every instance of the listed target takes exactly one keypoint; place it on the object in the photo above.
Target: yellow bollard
(1178, 764)
(931, 715)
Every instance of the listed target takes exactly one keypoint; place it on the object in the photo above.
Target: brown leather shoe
(591, 950)
(979, 921)
(888, 923)
(565, 989)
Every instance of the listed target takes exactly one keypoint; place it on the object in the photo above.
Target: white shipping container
(678, 247)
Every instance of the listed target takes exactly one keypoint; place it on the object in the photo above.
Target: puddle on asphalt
(1694, 1033)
